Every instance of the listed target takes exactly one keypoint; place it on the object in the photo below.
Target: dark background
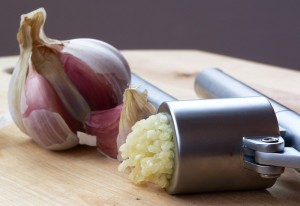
(265, 31)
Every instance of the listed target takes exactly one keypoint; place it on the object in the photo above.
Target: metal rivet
(270, 139)
(269, 176)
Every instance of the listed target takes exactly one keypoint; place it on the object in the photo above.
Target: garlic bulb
(59, 88)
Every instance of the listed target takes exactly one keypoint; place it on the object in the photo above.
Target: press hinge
(257, 151)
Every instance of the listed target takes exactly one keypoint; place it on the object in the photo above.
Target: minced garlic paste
(149, 151)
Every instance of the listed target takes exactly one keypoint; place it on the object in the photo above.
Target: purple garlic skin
(60, 88)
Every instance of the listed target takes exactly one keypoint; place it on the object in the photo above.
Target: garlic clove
(51, 133)
(135, 108)
(103, 58)
(89, 83)
(17, 82)
(47, 122)
(47, 63)
(37, 91)
(105, 126)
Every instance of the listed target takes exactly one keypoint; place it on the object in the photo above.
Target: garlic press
(223, 144)
(214, 83)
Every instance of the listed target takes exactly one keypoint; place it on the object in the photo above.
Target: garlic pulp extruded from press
(59, 88)
(149, 151)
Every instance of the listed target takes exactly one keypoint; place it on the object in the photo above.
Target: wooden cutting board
(30, 175)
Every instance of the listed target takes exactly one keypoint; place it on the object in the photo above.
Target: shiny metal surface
(214, 83)
(289, 158)
(208, 135)
(264, 171)
(155, 95)
(267, 145)
(264, 144)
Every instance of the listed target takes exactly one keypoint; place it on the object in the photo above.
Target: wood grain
(30, 175)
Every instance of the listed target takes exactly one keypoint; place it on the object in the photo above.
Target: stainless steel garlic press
(232, 143)
(214, 83)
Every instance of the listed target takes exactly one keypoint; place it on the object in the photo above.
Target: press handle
(290, 157)
(214, 83)
(155, 95)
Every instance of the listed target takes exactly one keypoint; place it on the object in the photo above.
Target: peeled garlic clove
(56, 85)
(105, 126)
(135, 108)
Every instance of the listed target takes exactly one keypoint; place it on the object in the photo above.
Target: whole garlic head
(58, 85)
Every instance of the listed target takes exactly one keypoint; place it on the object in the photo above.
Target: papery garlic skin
(135, 108)
(46, 121)
(57, 85)
(107, 64)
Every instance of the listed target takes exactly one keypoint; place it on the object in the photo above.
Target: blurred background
(265, 31)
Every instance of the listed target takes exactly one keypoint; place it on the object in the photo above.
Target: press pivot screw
(269, 176)
(270, 139)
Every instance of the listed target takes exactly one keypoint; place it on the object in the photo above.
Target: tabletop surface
(30, 175)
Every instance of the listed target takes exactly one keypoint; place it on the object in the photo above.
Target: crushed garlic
(149, 151)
